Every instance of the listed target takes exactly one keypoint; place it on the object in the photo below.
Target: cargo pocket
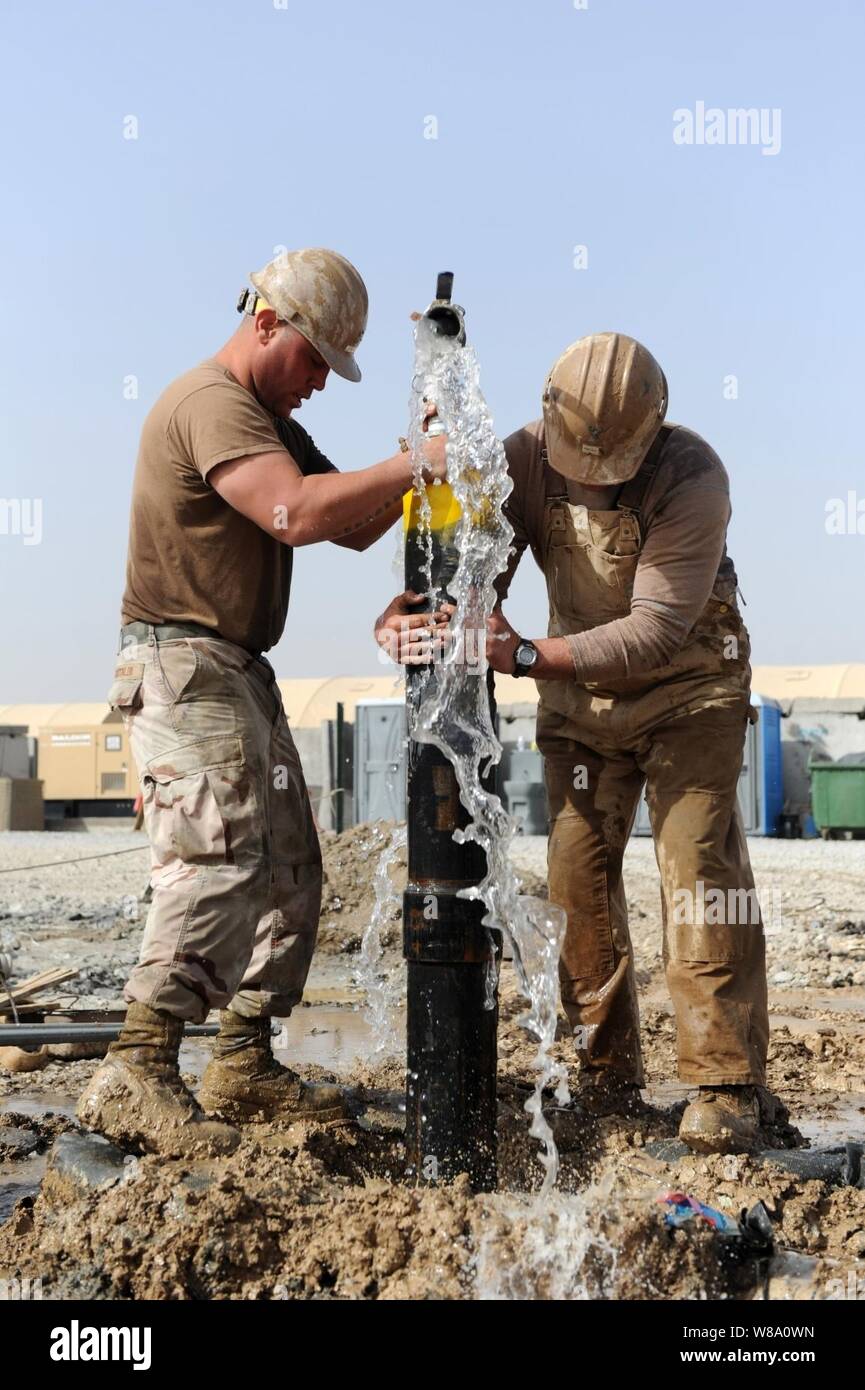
(177, 664)
(201, 804)
(560, 581)
(613, 576)
(125, 692)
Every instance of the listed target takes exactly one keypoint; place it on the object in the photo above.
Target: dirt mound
(23, 1134)
(314, 1213)
(317, 1214)
(350, 860)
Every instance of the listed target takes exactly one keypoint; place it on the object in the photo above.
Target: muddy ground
(312, 1213)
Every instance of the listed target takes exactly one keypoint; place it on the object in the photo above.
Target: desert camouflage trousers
(688, 750)
(235, 858)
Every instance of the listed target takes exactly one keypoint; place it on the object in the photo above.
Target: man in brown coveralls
(226, 484)
(643, 678)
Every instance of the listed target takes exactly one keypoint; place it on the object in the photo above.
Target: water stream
(450, 708)
(384, 991)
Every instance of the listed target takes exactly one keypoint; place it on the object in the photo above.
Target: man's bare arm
(368, 535)
(270, 490)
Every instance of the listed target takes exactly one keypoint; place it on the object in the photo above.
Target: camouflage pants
(596, 761)
(235, 859)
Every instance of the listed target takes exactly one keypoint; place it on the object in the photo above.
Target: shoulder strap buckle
(633, 494)
(629, 526)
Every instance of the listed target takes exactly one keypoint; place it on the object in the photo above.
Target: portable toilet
(525, 794)
(379, 760)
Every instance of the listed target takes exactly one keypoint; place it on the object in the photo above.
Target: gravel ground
(315, 1215)
(89, 912)
(85, 913)
(812, 896)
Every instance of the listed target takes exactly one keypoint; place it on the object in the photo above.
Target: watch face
(526, 655)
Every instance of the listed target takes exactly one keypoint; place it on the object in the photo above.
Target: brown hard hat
(320, 294)
(604, 401)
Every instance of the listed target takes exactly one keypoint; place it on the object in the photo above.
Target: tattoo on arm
(373, 516)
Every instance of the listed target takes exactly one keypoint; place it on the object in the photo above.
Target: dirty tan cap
(320, 294)
(604, 401)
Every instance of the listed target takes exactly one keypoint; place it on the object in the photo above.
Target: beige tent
(844, 682)
(32, 716)
(308, 702)
(83, 753)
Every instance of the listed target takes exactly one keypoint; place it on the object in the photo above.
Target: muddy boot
(722, 1120)
(601, 1091)
(137, 1096)
(244, 1081)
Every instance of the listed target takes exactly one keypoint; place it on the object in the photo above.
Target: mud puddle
(843, 1121)
(40, 1103)
(19, 1179)
(332, 1039)
(338, 1039)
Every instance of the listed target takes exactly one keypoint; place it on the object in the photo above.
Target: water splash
(550, 1248)
(383, 991)
(450, 708)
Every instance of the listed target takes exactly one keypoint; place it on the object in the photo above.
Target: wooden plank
(26, 1009)
(45, 980)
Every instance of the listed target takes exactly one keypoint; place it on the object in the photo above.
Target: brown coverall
(679, 728)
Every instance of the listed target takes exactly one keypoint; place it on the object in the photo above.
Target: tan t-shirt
(193, 558)
(683, 558)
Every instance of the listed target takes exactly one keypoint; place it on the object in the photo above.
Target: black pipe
(339, 759)
(451, 1035)
(34, 1034)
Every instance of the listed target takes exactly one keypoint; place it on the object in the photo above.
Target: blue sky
(262, 126)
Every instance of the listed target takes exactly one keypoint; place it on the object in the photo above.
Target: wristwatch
(525, 657)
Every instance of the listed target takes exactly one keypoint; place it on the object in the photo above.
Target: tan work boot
(722, 1120)
(244, 1081)
(601, 1091)
(137, 1095)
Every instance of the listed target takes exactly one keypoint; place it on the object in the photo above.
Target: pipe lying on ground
(840, 1165)
(35, 1034)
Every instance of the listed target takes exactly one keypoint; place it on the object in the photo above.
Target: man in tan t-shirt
(225, 486)
(644, 678)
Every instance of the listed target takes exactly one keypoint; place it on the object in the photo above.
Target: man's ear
(266, 321)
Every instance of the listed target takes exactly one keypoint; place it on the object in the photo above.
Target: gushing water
(383, 991)
(450, 706)
(546, 1248)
